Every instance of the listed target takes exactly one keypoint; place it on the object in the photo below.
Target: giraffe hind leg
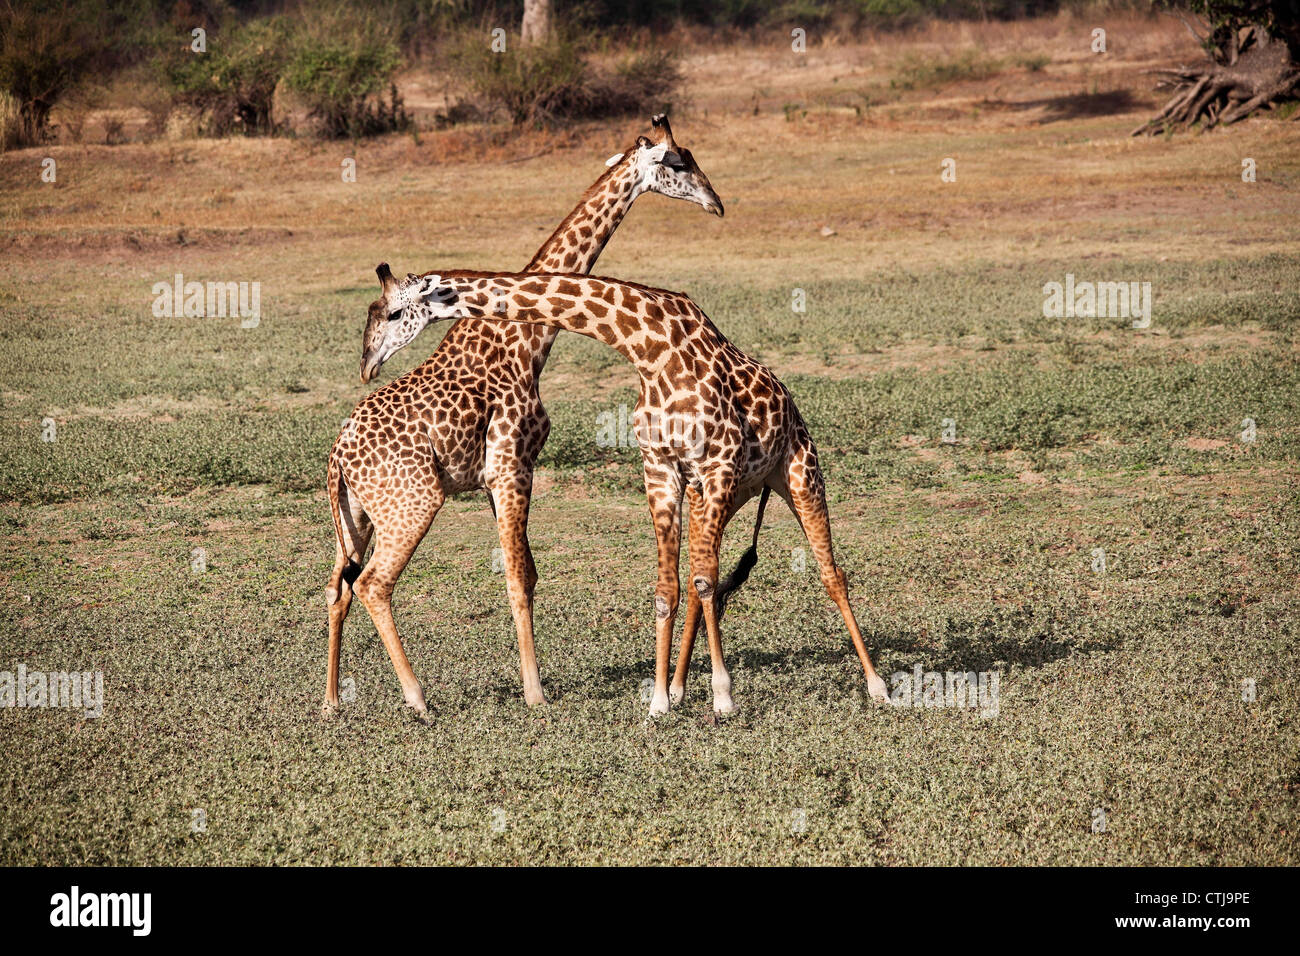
(805, 493)
(401, 522)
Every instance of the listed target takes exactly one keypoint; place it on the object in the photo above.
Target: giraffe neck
(579, 240)
(645, 325)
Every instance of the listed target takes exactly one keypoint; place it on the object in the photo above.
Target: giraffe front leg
(665, 511)
(511, 496)
(690, 626)
(694, 609)
(709, 516)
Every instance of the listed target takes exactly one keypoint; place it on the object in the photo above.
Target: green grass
(1120, 691)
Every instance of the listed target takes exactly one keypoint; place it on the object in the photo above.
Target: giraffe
(471, 417)
(715, 427)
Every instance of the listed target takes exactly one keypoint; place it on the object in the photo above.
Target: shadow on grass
(1020, 638)
(1080, 105)
(1072, 105)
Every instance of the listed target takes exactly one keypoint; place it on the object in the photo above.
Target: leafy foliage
(547, 83)
(341, 65)
(45, 48)
(1281, 18)
(232, 84)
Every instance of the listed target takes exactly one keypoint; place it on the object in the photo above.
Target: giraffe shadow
(994, 642)
(974, 642)
(979, 641)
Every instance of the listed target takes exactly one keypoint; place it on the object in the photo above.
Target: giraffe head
(668, 169)
(400, 313)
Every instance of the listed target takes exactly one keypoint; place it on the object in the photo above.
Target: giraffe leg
(690, 625)
(806, 495)
(511, 499)
(694, 609)
(400, 527)
(710, 517)
(353, 530)
(665, 512)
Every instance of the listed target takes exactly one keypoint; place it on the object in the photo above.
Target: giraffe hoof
(659, 707)
(877, 688)
(676, 694)
(722, 703)
(536, 700)
(329, 709)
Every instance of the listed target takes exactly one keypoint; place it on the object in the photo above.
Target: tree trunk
(537, 21)
(1247, 71)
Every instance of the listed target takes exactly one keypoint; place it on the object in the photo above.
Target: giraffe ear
(411, 275)
(656, 153)
(616, 158)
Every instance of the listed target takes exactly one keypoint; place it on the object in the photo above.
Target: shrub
(553, 82)
(920, 72)
(340, 66)
(232, 84)
(45, 48)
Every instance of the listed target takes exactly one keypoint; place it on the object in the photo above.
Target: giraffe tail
(350, 570)
(740, 574)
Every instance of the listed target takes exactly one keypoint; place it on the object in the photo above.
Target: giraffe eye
(396, 313)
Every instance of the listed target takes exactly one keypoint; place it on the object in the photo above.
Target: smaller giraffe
(715, 427)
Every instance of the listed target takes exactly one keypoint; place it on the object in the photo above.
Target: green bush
(340, 66)
(233, 83)
(921, 72)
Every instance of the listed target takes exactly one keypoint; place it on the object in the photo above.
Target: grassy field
(1159, 696)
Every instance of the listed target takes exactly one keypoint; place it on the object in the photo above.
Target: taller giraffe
(715, 427)
(471, 417)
